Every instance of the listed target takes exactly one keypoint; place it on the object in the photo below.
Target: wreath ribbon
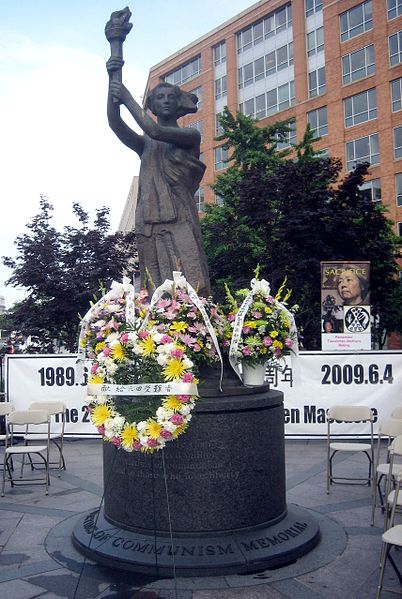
(168, 287)
(117, 290)
(143, 389)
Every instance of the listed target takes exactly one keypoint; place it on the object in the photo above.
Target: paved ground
(37, 559)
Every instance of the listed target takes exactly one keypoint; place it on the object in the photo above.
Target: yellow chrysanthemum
(129, 434)
(148, 346)
(263, 350)
(179, 430)
(251, 324)
(174, 369)
(100, 414)
(278, 344)
(273, 334)
(99, 347)
(172, 403)
(268, 310)
(95, 379)
(118, 352)
(178, 326)
(83, 342)
(153, 429)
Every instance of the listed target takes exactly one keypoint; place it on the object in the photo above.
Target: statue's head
(186, 102)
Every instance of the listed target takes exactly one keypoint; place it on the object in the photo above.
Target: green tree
(289, 213)
(63, 270)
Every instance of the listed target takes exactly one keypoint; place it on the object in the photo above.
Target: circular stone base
(235, 552)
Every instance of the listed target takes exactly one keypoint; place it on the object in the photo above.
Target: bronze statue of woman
(166, 220)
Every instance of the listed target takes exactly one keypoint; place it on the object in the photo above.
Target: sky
(54, 136)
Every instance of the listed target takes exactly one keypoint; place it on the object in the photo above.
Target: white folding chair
(57, 413)
(393, 504)
(359, 416)
(392, 537)
(389, 429)
(26, 418)
(5, 410)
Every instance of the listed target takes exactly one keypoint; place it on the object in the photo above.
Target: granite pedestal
(211, 503)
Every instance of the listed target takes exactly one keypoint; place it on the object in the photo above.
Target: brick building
(336, 64)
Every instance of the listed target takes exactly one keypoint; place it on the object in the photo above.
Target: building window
(199, 125)
(315, 41)
(263, 67)
(365, 149)
(360, 108)
(394, 8)
(355, 21)
(398, 142)
(220, 87)
(218, 126)
(184, 73)
(273, 101)
(198, 92)
(289, 137)
(219, 201)
(313, 6)
(199, 199)
(317, 83)
(280, 98)
(221, 158)
(396, 94)
(267, 27)
(398, 189)
(395, 48)
(220, 53)
(399, 229)
(318, 121)
(372, 190)
(359, 64)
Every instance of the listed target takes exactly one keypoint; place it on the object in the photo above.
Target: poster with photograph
(345, 306)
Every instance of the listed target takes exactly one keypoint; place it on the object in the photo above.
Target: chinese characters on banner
(345, 306)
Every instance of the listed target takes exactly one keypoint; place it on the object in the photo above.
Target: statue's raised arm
(166, 220)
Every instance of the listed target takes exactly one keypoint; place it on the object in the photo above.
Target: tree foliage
(63, 270)
(290, 212)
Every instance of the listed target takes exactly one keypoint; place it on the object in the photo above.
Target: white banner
(42, 377)
(323, 379)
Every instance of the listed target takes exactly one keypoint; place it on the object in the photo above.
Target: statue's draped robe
(166, 220)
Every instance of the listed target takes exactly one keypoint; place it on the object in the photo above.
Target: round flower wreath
(128, 356)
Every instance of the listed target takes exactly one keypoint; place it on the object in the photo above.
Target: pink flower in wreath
(166, 339)
(152, 442)
(137, 445)
(187, 377)
(192, 315)
(165, 434)
(277, 352)
(116, 441)
(246, 351)
(124, 338)
(267, 341)
(231, 317)
(94, 368)
(196, 347)
(246, 330)
(143, 334)
(289, 342)
(101, 429)
(107, 351)
(176, 419)
(163, 303)
(183, 398)
(177, 353)
(256, 314)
